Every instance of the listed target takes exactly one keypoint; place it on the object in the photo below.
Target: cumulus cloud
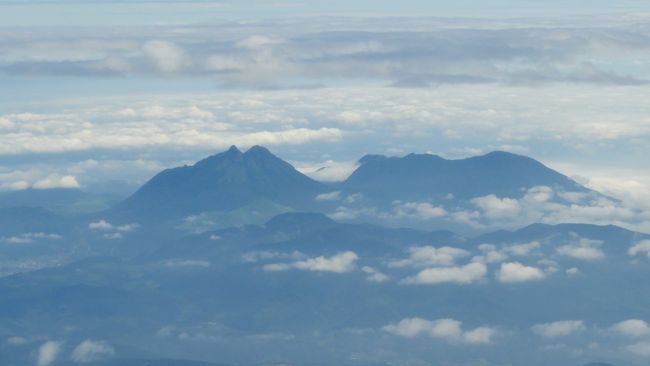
(449, 330)
(640, 348)
(166, 56)
(100, 225)
(27, 238)
(339, 263)
(496, 208)
(47, 353)
(641, 247)
(90, 351)
(559, 328)
(418, 210)
(516, 272)
(374, 275)
(466, 274)
(584, 249)
(632, 328)
(331, 196)
(542, 204)
(54, 181)
(428, 256)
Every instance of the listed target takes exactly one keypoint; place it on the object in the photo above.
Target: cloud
(166, 56)
(632, 328)
(331, 196)
(419, 210)
(466, 274)
(100, 225)
(640, 247)
(47, 353)
(27, 238)
(339, 263)
(584, 249)
(428, 256)
(640, 349)
(496, 208)
(90, 351)
(542, 204)
(54, 181)
(522, 250)
(328, 171)
(514, 272)
(374, 275)
(559, 328)
(449, 330)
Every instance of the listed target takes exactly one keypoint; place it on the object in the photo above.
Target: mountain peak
(223, 182)
(233, 150)
(258, 150)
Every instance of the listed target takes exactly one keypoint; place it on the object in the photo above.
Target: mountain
(430, 177)
(221, 183)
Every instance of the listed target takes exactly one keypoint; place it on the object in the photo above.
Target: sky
(97, 91)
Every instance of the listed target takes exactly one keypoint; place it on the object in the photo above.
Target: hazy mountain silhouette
(222, 182)
(425, 176)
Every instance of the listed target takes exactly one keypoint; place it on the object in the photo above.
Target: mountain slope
(425, 176)
(222, 182)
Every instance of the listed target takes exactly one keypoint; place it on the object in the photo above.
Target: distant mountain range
(238, 188)
(241, 259)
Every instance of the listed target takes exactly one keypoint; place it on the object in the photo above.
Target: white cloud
(449, 330)
(466, 274)
(166, 56)
(572, 271)
(100, 225)
(428, 256)
(328, 171)
(559, 328)
(496, 208)
(522, 250)
(55, 181)
(27, 238)
(640, 247)
(582, 252)
(632, 328)
(516, 272)
(640, 348)
(331, 196)
(90, 351)
(374, 275)
(339, 263)
(419, 210)
(47, 353)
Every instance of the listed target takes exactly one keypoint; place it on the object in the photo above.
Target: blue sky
(111, 13)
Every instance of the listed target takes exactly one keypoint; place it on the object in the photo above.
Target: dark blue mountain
(425, 176)
(222, 182)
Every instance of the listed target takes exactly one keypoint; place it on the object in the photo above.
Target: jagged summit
(223, 182)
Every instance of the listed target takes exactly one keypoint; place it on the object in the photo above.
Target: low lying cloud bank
(339, 263)
(449, 330)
